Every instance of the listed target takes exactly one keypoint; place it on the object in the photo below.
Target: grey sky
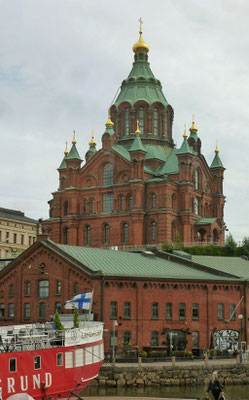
(62, 61)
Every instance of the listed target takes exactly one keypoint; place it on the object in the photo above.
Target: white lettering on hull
(24, 383)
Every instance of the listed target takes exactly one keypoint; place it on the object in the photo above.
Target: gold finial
(109, 122)
(216, 148)
(74, 140)
(193, 127)
(140, 45)
(66, 151)
(138, 130)
(92, 142)
(185, 133)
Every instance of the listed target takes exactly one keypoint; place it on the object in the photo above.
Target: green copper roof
(185, 148)
(73, 153)
(230, 265)
(141, 84)
(63, 164)
(137, 145)
(137, 265)
(122, 151)
(205, 221)
(216, 161)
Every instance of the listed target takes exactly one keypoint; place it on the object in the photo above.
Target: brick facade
(138, 188)
(46, 263)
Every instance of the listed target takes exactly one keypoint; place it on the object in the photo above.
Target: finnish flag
(81, 301)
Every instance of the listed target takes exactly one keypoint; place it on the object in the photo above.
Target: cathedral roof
(141, 83)
(73, 153)
(216, 163)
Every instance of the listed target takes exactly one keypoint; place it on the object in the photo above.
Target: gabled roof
(230, 265)
(134, 265)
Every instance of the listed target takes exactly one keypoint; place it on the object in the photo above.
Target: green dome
(141, 84)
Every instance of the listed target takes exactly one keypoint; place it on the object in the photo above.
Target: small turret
(63, 164)
(92, 149)
(216, 163)
(217, 170)
(109, 137)
(193, 140)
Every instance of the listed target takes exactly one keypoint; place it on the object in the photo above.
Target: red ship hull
(50, 372)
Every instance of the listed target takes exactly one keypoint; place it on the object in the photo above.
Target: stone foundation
(114, 376)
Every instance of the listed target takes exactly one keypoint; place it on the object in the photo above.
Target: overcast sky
(62, 61)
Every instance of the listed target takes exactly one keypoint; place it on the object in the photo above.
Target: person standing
(215, 386)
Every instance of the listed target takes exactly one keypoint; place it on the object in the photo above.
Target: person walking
(215, 386)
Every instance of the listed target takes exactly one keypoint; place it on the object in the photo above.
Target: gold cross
(141, 22)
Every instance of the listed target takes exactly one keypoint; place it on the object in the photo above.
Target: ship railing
(30, 338)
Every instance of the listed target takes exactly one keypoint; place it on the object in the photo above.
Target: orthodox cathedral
(138, 188)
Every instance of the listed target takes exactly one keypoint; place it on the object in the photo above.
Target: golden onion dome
(141, 45)
(109, 122)
(193, 127)
(92, 142)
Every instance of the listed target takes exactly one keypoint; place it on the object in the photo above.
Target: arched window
(155, 122)
(43, 289)
(66, 235)
(182, 311)
(106, 234)
(130, 202)
(127, 310)
(84, 206)
(197, 206)
(126, 122)
(141, 119)
(153, 201)
(65, 207)
(113, 310)
(153, 231)
(93, 206)
(125, 233)
(197, 178)
(88, 235)
(122, 202)
(154, 311)
(173, 201)
(168, 311)
(154, 338)
(75, 288)
(108, 175)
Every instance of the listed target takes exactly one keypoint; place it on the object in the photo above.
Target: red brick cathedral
(138, 189)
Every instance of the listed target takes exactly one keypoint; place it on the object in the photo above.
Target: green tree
(166, 246)
(230, 246)
(178, 245)
(58, 325)
(245, 246)
(76, 322)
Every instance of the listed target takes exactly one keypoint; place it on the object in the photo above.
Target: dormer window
(141, 119)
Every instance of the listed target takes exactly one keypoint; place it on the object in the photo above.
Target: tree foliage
(76, 322)
(58, 325)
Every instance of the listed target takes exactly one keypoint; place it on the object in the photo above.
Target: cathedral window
(88, 235)
(108, 202)
(106, 234)
(197, 179)
(66, 236)
(154, 338)
(65, 207)
(130, 202)
(93, 206)
(108, 175)
(196, 206)
(173, 201)
(155, 122)
(153, 201)
(125, 233)
(122, 203)
(153, 231)
(126, 122)
(141, 119)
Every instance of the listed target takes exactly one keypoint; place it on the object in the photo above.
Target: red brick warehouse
(138, 188)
